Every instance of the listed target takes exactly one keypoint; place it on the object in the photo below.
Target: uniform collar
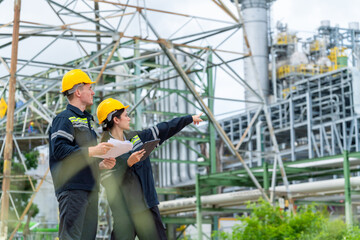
(77, 111)
(115, 138)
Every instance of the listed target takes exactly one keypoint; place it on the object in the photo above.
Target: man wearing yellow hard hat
(74, 170)
(130, 186)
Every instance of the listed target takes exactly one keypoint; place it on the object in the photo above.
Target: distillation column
(254, 14)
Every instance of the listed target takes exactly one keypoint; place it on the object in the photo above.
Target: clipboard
(149, 146)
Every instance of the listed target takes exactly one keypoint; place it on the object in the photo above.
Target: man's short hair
(69, 93)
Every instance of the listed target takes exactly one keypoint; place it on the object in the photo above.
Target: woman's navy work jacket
(70, 136)
(143, 170)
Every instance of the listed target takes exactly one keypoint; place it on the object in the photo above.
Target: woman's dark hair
(109, 124)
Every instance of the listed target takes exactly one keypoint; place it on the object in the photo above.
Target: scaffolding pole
(10, 124)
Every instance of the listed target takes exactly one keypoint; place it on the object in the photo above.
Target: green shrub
(271, 223)
(352, 234)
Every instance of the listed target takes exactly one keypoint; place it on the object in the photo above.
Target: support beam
(348, 207)
(212, 132)
(198, 207)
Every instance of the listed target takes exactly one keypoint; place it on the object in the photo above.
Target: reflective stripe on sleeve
(135, 139)
(156, 130)
(153, 132)
(63, 134)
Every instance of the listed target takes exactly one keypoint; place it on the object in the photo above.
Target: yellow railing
(305, 69)
(317, 45)
(285, 38)
(338, 57)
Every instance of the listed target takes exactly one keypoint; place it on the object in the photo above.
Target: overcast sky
(305, 15)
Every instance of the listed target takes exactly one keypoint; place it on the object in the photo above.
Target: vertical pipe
(138, 112)
(273, 73)
(212, 143)
(264, 163)
(174, 146)
(211, 94)
(182, 106)
(10, 123)
(98, 45)
(348, 208)
(356, 135)
(250, 148)
(266, 175)
(198, 207)
(174, 154)
(216, 227)
(309, 125)
(333, 136)
(273, 182)
(168, 147)
(344, 132)
(353, 47)
(292, 128)
(192, 155)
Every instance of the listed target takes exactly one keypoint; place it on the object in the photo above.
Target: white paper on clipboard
(120, 147)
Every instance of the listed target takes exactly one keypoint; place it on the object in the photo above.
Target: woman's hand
(107, 163)
(135, 157)
(197, 119)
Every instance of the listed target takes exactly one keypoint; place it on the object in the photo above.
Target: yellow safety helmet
(108, 106)
(74, 77)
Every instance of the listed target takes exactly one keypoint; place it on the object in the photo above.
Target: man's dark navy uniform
(71, 135)
(75, 173)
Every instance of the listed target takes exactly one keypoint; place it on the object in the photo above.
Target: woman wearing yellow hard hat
(130, 186)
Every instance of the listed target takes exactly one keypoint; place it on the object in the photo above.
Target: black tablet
(149, 147)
